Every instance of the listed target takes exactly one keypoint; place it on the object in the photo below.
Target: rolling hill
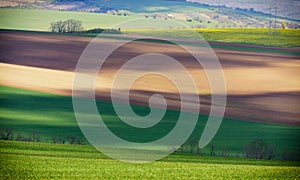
(197, 15)
(287, 8)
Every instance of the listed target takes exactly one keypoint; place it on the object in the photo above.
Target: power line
(270, 22)
(275, 14)
(275, 18)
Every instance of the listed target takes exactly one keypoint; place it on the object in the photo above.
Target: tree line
(67, 26)
(72, 26)
(256, 149)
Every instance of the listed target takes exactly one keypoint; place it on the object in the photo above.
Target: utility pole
(275, 13)
(270, 22)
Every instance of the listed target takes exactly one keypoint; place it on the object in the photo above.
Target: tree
(224, 152)
(68, 26)
(199, 150)
(258, 149)
(212, 149)
(73, 26)
(192, 143)
(61, 26)
(53, 27)
(6, 134)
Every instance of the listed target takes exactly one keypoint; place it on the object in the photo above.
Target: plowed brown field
(260, 86)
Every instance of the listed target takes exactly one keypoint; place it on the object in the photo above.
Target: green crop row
(21, 160)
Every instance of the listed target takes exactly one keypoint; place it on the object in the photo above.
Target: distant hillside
(210, 14)
(286, 8)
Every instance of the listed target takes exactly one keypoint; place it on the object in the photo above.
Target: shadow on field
(62, 52)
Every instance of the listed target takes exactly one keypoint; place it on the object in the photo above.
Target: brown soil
(260, 86)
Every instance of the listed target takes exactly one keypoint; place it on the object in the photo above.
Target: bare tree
(68, 26)
(61, 26)
(212, 149)
(192, 143)
(224, 152)
(73, 25)
(53, 27)
(6, 134)
(199, 150)
(258, 149)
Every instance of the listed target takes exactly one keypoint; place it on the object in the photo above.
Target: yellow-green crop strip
(282, 38)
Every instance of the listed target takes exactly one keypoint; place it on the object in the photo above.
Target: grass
(40, 20)
(251, 36)
(51, 115)
(283, 37)
(23, 160)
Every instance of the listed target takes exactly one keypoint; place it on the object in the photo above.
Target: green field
(45, 118)
(23, 160)
(282, 37)
(251, 36)
(39, 20)
(201, 15)
(48, 116)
